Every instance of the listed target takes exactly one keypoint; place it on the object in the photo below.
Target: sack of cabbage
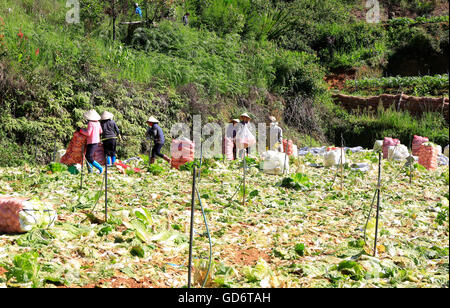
(275, 163)
(20, 215)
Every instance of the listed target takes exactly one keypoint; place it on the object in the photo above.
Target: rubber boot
(113, 160)
(167, 159)
(152, 160)
(108, 161)
(89, 167)
(97, 165)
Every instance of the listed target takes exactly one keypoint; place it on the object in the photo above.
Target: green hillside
(262, 57)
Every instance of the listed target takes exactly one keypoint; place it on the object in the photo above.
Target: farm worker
(244, 120)
(109, 137)
(186, 19)
(138, 10)
(155, 132)
(231, 134)
(276, 135)
(92, 133)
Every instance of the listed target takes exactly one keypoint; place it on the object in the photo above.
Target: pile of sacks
(333, 157)
(20, 215)
(274, 162)
(182, 151)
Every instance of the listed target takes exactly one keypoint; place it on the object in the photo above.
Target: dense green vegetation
(418, 86)
(263, 57)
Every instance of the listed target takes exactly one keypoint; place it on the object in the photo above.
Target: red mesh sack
(99, 155)
(288, 147)
(388, 142)
(182, 151)
(9, 214)
(416, 143)
(229, 148)
(73, 154)
(428, 156)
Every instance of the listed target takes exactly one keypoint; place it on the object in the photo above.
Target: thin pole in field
(378, 204)
(106, 191)
(191, 237)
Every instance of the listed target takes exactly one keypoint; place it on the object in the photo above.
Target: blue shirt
(156, 133)
(139, 11)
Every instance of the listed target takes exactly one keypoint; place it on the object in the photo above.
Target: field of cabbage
(308, 235)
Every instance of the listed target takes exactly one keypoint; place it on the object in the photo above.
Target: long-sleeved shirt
(276, 133)
(138, 11)
(155, 132)
(231, 131)
(93, 132)
(110, 129)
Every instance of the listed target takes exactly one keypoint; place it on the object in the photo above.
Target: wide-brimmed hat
(152, 120)
(272, 119)
(245, 115)
(107, 115)
(92, 115)
(234, 120)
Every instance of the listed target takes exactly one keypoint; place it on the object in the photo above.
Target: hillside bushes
(365, 128)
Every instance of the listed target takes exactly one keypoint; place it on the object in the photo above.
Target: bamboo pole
(191, 238)
(378, 205)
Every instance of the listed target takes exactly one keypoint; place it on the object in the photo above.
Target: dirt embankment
(415, 105)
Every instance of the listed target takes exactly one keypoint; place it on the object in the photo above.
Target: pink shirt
(93, 132)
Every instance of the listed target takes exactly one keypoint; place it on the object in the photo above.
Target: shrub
(364, 129)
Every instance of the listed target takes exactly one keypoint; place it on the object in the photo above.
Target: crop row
(433, 82)
(404, 21)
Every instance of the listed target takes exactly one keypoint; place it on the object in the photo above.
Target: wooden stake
(106, 190)
(378, 205)
(245, 167)
(342, 169)
(82, 165)
(191, 239)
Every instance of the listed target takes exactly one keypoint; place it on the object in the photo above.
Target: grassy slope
(218, 78)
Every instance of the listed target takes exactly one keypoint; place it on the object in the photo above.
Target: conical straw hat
(272, 119)
(234, 120)
(152, 120)
(92, 115)
(107, 115)
(245, 115)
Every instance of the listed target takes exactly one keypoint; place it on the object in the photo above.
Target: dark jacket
(155, 132)
(110, 129)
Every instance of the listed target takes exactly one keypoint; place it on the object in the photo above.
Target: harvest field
(308, 234)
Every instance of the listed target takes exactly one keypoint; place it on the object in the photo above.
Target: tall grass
(367, 127)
